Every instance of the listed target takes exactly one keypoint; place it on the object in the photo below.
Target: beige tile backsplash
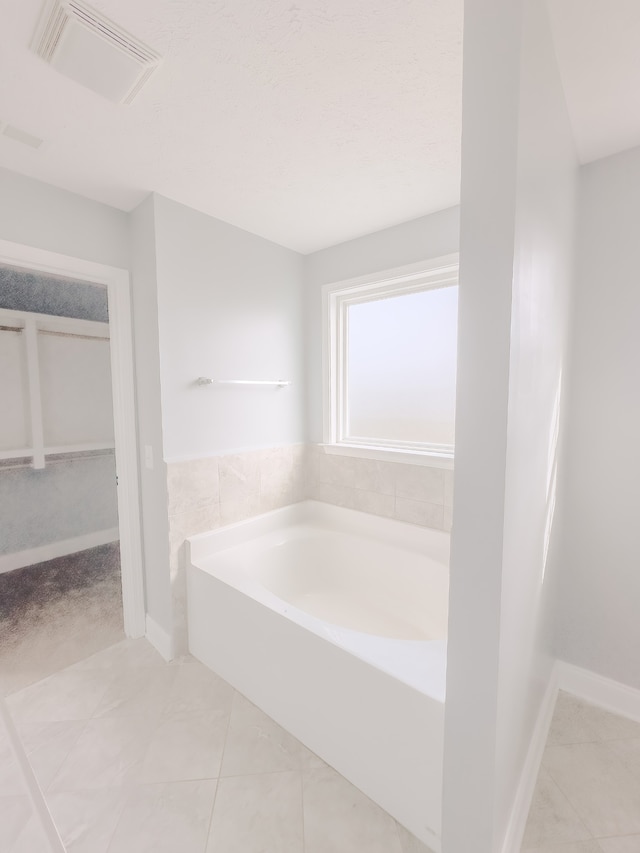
(414, 493)
(218, 490)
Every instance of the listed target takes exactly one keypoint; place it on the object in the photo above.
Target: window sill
(391, 454)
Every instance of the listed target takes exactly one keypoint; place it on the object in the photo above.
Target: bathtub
(334, 623)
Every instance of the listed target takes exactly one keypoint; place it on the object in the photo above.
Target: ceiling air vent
(90, 49)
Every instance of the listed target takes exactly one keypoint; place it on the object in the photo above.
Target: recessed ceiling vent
(90, 49)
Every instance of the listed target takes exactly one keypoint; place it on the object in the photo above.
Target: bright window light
(392, 365)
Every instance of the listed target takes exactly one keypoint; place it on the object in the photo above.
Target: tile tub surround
(404, 491)
(236, 486)
(133, 754)
(207, 493)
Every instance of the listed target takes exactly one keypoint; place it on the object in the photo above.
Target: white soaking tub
(334, 623)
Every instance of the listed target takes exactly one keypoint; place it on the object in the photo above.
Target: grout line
(304, 839)
(117, 821)
(400, 844)
(262, 773)
(34, 792)
(570, 802)
(224, 746)
(81, 730)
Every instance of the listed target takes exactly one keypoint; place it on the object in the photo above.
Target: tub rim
(420, 664)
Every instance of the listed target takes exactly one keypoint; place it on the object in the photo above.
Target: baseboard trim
(605, 692)
(31, 556)
(529, 775)
(159, 639)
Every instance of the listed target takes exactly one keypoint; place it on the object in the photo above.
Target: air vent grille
(52, 33)
(82, 44)
(119, 37)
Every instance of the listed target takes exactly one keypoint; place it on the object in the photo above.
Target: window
(390, 361)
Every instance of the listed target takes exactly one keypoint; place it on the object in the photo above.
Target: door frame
(118, 287)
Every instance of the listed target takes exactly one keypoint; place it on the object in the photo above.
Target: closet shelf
(78, 448)
(59, 450)
(56, 389)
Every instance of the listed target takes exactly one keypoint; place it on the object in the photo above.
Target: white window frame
(336, 299)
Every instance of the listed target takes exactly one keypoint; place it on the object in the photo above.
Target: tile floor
(20, 829)
(588, 793)
(134, 755)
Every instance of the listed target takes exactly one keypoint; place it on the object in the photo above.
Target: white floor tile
(628, 752)
(11, 783)
(31, 840)
(600, 788)
(338, 818)
(171, 818)
(255, 744)
(258, 814)
(47, 746)
(409, 843)
(128, 749)
(576, 721)
(139, 691)
(627, 844)
(86, 820)
(552, 818)
(129, 654)
(186, 747)
(180, 660)
(197, 690)
(67, 695)
(16, 818)
(574, 847)
(108, 753)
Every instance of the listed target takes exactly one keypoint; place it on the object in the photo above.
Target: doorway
(68, 382)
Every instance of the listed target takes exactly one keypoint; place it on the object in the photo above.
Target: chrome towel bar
(280, 383)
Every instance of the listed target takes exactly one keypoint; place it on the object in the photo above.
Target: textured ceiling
(308, 122)
(305, 121)
(598, 50)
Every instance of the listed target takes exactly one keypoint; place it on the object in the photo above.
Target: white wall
(64, 500)
(153, 480)
(230, 307)
(519, 174)
(38, 214)
(598, 625)
(420, 239)
(487, 212)
(546, 193)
